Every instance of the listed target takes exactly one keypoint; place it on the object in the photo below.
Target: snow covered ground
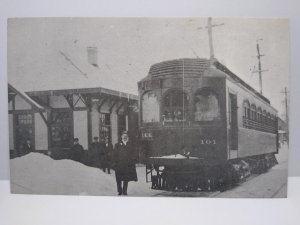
(39, 174)
(272, 184)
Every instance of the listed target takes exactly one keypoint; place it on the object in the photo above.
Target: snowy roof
(96, 90)
(58, 62)
(23, 95)
(62, 70)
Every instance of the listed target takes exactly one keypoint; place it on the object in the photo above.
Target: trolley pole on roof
(210, 38)
(259, 71)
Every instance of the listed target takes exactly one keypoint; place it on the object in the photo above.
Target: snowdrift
(36, 173)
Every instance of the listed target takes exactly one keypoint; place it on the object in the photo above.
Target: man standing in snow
(77, 150)
(108, 148)
(124, 159)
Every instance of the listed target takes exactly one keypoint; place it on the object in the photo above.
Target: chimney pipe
(92, 54)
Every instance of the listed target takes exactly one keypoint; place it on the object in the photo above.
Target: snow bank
(39, 174)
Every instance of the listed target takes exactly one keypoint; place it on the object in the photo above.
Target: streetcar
(202, 127)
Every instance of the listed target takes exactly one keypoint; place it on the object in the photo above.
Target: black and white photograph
(149, 107)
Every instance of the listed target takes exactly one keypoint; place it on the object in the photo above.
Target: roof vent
(92, 54)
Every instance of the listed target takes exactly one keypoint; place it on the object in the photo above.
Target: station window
(24, 119)
(175, 106)
(61, 128)
(150, 108)
(206, 106)
(24, 128)
(104, 126)
(121, 124)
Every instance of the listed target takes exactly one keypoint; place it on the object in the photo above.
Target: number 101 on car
(208, 141)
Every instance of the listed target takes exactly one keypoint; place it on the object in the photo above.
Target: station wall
(81, 127)
(11, 131)
(41, 132)
(21, 104)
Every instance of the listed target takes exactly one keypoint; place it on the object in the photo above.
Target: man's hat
(125, 132)
(76, 139)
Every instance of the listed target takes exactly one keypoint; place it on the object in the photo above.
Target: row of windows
(24, 128)
(206, 106)
(258, 119)
(175, 106)
(24, 119)
(61, 131)
(104, 126)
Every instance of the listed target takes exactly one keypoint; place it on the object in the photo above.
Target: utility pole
(259, 71)
(210, 38)
(285, 92)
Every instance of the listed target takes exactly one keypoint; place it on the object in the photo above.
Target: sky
(127, 47)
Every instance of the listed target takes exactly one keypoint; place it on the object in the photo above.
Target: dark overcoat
(94, 154)
(124, 159)
(77, 152)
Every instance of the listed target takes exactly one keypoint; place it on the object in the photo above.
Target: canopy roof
(13, 91)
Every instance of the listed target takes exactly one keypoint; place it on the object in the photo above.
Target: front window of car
(175, 106)
(206, 106)
(150, 108)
